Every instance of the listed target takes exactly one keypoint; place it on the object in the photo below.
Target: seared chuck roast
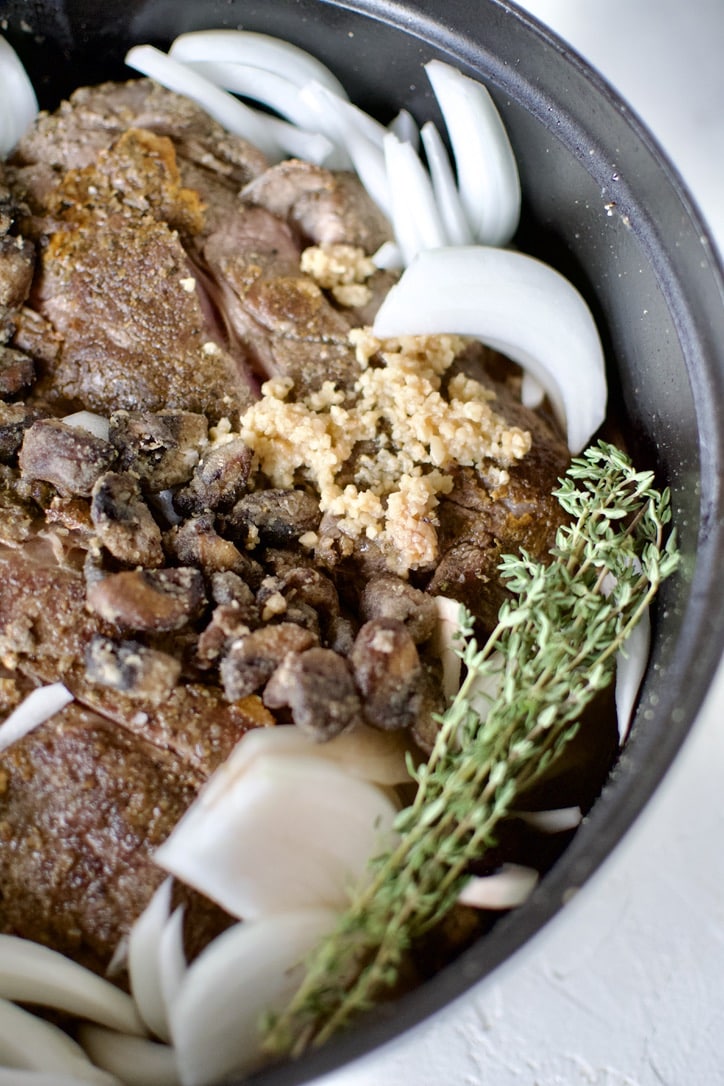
(150, 272)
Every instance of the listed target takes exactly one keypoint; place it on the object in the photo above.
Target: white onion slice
(269, 88)
(444, 643)
(234, 115)
(415, 218)
(486, 167)
(447, 196)
(517, 305)
(30, 1043)
(250, 968)
(506, 889)
(405, 128)
(260, 50)
(363, 752)
(31, 973)
(284, 833)
(388, 257)
(558, 820)
(19, 104)
(40, 705)
(144, 968)
(310, 146)
(631, 663)
(90, 421)
(136, 1061)
(532, 392)
(171, 957)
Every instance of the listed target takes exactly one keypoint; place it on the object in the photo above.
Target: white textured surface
(626, 986)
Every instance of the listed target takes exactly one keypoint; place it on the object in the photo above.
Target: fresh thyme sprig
(553, 649)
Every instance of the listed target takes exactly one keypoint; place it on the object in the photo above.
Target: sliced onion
(19, 104)
(251, 968)
(415, 217)
(388, 256)
(310, 146)
(144, 969)
(506, 889)
(447, 196)
(363, 752)
(31, 973)
(136, 1061)
(520, 307)
(224, 108)
(29, 1042)
(284, 833)
(405, 128)
(631, 663)
(558, 820)
(40, 705)
(271, 89)
(88, 420)
(532, 392)
(172, 959)
(260, 50)
(444, 642)
(487, 171)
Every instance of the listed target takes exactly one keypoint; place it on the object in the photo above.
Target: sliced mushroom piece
(196, 542)
(228, 623)
(220, 478)
(148, 599)
(17, 371)
(388, 596)
(15, 418)
(161, 448)
(318, 689)
(68, 457)
(132, 668)
(275, 516)
(388, 674)
(252, 660)
(123, 521)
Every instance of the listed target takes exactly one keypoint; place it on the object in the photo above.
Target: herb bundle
(553, 649)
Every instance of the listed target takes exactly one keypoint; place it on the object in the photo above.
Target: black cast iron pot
(602, 204)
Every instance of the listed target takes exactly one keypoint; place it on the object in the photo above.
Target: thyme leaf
(553, 649)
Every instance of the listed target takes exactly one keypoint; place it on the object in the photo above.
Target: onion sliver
(447, 196)
(29, 1042)
(520, 307)
(40, 705)
(260, 50)
(172, 959)
(251, 968)
(31, 973)
(506, 889)
(631, 663)
(19, 104)
(445, 640)
(269, 88)
(405, 128)
(557, 820)
(364, 752)
(234, 115)
(287, 832)
(415, 217)
(89, 421)
(136, 1061)
(487, 171)
(144, 968)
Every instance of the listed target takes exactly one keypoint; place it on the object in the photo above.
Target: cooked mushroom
(388, 674)
(66, 456)
(154, 599)
(318, 689)
(388, 596)
(123, 521)
(251, 660)
(161, 448)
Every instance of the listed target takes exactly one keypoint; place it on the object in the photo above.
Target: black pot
(604, 206)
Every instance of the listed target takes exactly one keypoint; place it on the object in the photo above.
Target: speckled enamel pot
(603, 205)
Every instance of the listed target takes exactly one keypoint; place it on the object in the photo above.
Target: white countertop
(626, 986)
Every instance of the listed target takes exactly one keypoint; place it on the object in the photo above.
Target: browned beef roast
(155, 572)
(82, 807)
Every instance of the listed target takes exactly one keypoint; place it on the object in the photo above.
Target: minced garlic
(341, 269)
(397, 435)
